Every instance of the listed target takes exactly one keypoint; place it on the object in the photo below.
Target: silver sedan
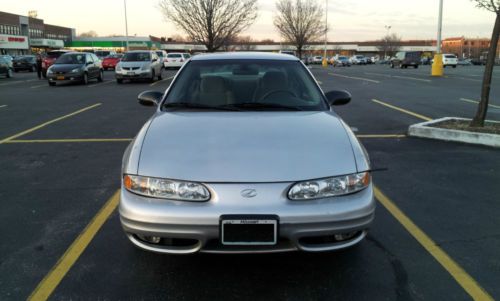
(245, 154)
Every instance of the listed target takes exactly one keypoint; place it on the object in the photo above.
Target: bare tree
(88, 34)
(245, 43)
(178, 38)
(267, 41)
(210, 22)
(482, 109)
(389, 44)
(299, 22)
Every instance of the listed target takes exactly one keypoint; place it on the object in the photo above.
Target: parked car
(464, 62)
(111, 60)
(139, 64)
(403, 59)
(342, 61)
(279, 169)
(26, 62)
(358, 60)
(49, 59)
(317, 59)
(101, 54)
(368, 60)
(162, 54)
(75, 67)
(450, 60)
(8, 59)
(174, 60)
(5, 68)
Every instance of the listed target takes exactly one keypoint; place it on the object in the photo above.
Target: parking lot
(436, 235)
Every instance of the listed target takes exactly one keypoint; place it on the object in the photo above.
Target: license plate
(130, 73)
(60, 77)
(249, 230)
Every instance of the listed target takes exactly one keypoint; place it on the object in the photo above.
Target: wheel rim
(85, 78)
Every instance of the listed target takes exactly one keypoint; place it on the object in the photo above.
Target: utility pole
(126, 25)
(387, 28)
(437, 66)
(325, 61)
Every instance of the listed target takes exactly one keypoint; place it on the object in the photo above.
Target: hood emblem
(248, 193)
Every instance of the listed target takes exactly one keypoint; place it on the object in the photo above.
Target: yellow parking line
(47, 123)
(382, 136)
(102, 83)
(161, 80)
(476, 102)
(402, 110)
(68, 259)
(358, 78)
(456, 271)
(71, 140)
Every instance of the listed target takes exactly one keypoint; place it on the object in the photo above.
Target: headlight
(166, 189)
(329, 187)
(75, 70)
(49, 71)
(118, 67)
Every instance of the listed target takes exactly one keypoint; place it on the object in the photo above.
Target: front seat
(271, 81)
(214, 91)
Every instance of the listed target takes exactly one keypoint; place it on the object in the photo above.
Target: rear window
(450, 56)
(174, 55)
(136, 57)
(159, 53)
(54, 54)
(113, 56)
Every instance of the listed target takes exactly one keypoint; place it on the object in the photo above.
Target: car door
(155, 61)
(89, 66)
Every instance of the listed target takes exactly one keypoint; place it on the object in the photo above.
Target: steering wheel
(277, 91)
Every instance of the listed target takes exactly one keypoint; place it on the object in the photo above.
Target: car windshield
(78, 58)
(245, 85)
(174, 55)
(54, 54)
(159, 53)
(136, 57)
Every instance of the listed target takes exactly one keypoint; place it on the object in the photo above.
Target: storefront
(38, 45)
(117, 44)
(13, 45)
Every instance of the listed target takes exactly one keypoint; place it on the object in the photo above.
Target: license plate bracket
(60, 77)
(248, 229)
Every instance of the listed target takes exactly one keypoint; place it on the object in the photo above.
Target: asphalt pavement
(436, 234)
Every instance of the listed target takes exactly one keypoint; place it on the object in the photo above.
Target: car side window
(89, 59)
(94, 57)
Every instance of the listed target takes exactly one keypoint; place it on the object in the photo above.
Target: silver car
(245, 154)
(139, 64)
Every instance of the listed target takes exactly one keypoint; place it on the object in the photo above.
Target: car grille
(130, 68)
(60, 72)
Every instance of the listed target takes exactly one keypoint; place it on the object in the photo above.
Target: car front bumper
(135, 74)
(303, 225)
(65, 78)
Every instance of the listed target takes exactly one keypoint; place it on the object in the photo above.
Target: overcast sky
(349, 20)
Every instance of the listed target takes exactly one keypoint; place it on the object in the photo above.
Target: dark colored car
(403, 59)
(5, 68)
(75, 67)
(50, 58)
(26, 62)
(111, 60)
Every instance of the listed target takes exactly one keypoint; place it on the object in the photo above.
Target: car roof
(139, 51)
(244, 56)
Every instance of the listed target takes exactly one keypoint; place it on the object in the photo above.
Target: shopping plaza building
(23, 35)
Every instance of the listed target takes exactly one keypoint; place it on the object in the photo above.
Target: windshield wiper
(263, 105)
(191, 105)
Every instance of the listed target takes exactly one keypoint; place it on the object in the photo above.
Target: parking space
(62, 170)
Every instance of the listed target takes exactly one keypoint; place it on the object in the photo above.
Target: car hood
(246, 146)
(133, 64)
(65, 67)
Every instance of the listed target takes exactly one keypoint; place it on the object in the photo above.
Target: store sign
(47, 43)
(13, 42)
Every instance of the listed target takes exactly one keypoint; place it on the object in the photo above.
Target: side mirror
(338, 97)
(154, 60)
(88, 63)
(150, 98)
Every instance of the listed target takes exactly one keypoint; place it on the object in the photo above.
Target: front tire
(454, 66)
(152, 79)
(119, 81)
(52, 84)
(9, 73)
(101, 76)
(85, 80)
(159, 75)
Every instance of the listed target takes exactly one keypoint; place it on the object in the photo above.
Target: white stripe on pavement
(357, 78)
(476, 102)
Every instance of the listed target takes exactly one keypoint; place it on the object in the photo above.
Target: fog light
(151, 239)
(344, 236)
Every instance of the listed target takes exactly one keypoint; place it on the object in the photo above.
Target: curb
(424, 130)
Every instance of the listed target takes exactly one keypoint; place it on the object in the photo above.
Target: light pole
(387, 28)
(325, 62)
(126, 25)
(437, 66)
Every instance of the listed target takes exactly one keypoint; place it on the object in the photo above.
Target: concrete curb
(423, 130)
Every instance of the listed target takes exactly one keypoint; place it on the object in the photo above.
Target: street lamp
(387, 28)
(437, 66)
(126, 25)
(325, 62)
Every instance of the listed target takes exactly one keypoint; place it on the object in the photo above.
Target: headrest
(213, 84)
